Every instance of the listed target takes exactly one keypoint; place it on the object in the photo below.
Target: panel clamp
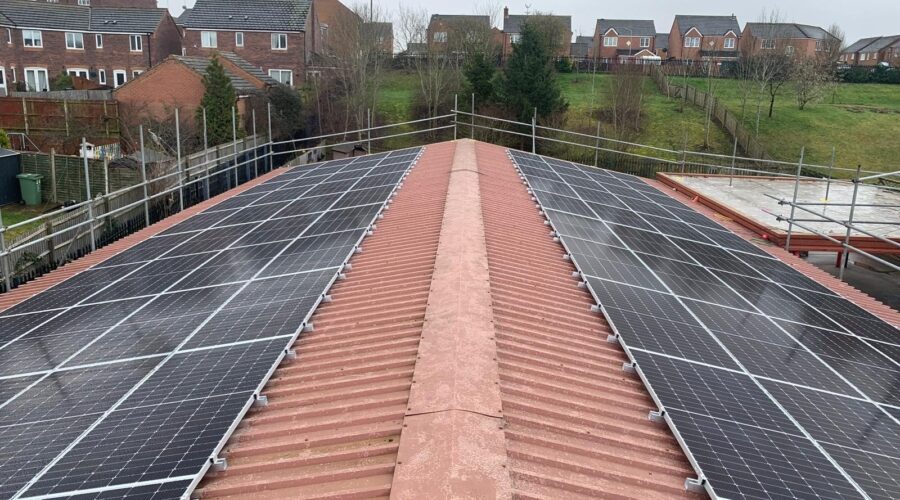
(261, 401)
(657, 417)
(694, 485)
(628, 367)
(219, 464)
(308, 327)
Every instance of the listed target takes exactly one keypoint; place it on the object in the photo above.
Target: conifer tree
(529, 80)
(218, 99)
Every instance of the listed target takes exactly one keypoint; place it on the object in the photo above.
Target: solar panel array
(775, 386)
(127, 379)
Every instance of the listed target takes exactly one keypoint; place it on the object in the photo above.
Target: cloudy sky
(858, 18)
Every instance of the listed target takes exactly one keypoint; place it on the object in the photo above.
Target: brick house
(704, 38)
(873, 51)
(277, 36)
(624, 40)
(458, 31)
(177, 82)
(582, 48)
(801, 40)
(382, 34)
(108, 45)
(661, 45)
(512, 31)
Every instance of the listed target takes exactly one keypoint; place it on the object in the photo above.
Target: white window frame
(440, 36)
(767, 43)
(238, 38)
(789, 50)
(513, 38)
(84, 3)
(98, 41)
(278, 74)
(209, 39)
(73, 40)
(37, 71)
(2, 77)
(116, 73)
(692, 42)
(820, 45)
(610, 41)
(277, 38)
(82, 72)
(644, 42)
(35, 36)
(136, 43)
(729, 43)
(136, 73)
(9, 36)
(101, 76)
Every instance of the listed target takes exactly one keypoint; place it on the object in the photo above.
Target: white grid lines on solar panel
(279, 304)
(612, 296)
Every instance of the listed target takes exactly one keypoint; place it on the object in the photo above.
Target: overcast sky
(858, 18)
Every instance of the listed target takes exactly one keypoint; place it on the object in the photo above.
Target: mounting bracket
(694, 485)
(219, 464)
(261, 401)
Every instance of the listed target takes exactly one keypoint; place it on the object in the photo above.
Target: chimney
(505, 13)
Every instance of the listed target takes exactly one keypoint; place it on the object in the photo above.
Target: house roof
(249, 15)
(788, 30)
(513, 22)
(629, 27)
(249, 68)
(708, 25)
(457, 357)
(579, 49)
(182, 19)
(383, 29)
(880, 43)
(42, 15)
(662, 41)
(584, 39)
(241, 85)
(453, 18)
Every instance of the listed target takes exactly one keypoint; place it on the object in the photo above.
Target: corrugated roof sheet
(43, 15)
(708, 25)
(629, 27)
(262, 15)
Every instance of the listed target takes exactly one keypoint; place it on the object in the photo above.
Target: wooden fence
(60, 117)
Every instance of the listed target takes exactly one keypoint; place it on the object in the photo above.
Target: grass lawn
(663, 125)
(861, 121)
(15, 213)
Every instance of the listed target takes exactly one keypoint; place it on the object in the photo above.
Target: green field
(861, 121)
(663, 125)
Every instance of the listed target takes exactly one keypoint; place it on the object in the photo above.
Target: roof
(789, 30)
(42, 15)
(860, 44)
(630, 27)
(382, 29)
(241, 85)
(248, 67)
(579, 49)
(584, 39)
(513, 22)
(453, 18)
(662, 41)
(182, 19)
(881, 43)
(249, 15)
(708, 25)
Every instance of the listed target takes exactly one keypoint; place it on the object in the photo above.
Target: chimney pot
(505, 12)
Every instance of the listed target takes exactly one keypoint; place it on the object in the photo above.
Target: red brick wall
(257, 50)
(168, 86)
(602, 52)
(752, 44)
(678, 51)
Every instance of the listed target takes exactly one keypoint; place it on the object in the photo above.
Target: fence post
(255, 147)
(271, 141)
(733, 157)
(597, 146)
(66, 115)
(828, 183)
(106, 175)
(25, 117)
(51, 247)
(455, 114)
(178, 162)
(206, 155)
(87, 187)
(472, 126)
(683, 158)
(144, 180)
(4, 256)
(787, 242)
(533, 136)
(845, 261)
(53, 195)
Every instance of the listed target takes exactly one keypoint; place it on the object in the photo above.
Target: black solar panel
(126, 380)
(775, 386)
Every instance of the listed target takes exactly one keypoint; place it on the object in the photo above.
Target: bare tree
(438, 69)
(770, 62)
(626, 100)
(809, 80)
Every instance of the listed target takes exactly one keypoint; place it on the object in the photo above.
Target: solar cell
(714, 321)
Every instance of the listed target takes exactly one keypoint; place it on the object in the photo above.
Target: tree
(626, 100)
(63, 81)
(810, 80)
(529, 81)
(287, 111)
(4, 140)
(218, 100)
(480, 75)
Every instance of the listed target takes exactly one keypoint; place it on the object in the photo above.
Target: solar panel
(127, 379)
(774, 385)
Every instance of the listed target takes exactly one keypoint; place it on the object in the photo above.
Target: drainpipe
(149, 51)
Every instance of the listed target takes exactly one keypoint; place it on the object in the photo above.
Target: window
(729, 43)
(208, 39)
(101, 76)
(515, 37)
(9, 36)
(284, 76)
(83, 73)
(440, 36)
(692, 41)
(32, 38)
(789, 50)
(820, 45)
(99, 40)
(119, 78)
(610, 41)
(84, 3)
(645, 41)
(75, 41)
(136, 73)
(238, 39)
(279, 41)
(768, 43)
(36, 79)
(137, 43)
(2, 77)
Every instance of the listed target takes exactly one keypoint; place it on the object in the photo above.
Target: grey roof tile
(662, 41)
(788, 30)
(261, 15)
(584, 39)
(708, 25)
(630, 27)
(513, 23)
(42, 15)
(579, 49)
(452, 18)
(200, 64)
(881, 43)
